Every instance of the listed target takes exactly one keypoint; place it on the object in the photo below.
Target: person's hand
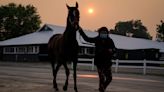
(80, 28)
(110, 50)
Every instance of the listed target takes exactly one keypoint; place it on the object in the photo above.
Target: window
(86, 51)
(81, 51)
(89, 51)
(36, 49)
(30, 49)
(9, 50)
(21, 50)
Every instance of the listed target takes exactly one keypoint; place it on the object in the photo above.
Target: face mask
(103, 35)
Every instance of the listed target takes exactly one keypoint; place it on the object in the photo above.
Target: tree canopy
(133, 28)
(160, 31)
(17, 20)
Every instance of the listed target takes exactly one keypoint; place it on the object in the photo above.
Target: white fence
(143, 64)
(85, 64)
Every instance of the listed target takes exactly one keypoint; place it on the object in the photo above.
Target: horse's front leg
(67, 77)
(74, 74)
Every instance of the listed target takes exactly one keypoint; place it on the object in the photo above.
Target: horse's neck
(70, 33)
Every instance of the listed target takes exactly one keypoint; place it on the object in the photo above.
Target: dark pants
(105, 76)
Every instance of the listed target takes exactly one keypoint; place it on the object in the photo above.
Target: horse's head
(73, 16)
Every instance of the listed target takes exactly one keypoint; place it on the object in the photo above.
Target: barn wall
(21, 53)
(84, 52)
(43, 52)
(161, 56)
(20, 57)
(1, 53)
(141, 54)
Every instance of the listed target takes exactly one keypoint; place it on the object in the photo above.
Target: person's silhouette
(104, 50)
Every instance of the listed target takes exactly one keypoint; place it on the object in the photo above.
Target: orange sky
(106, 12)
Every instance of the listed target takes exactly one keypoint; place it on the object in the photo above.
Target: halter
(73, 16)
(70, 18)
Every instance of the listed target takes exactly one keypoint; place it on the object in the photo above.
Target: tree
(160, 32)
(131, 28)
(17, 20)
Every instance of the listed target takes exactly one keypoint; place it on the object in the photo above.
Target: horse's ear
(77, 5)
(67, 6)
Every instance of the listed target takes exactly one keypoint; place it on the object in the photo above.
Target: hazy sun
(90, 10)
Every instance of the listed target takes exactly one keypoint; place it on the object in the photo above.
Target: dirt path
(37, 77)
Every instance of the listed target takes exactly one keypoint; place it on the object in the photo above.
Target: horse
(63, 48)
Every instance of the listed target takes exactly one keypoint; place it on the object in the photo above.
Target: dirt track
(37, 77)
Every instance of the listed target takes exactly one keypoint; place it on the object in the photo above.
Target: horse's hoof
(101, 90)
(75, 89)
(56, 89)
(65, 88)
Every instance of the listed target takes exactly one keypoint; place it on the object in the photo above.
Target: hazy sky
(106, 12)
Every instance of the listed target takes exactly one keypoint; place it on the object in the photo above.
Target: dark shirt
(102, 46)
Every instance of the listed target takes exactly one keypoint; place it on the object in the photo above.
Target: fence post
(144, 67)
(92, 63)
(117, 63)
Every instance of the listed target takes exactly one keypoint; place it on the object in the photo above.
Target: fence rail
(118, 64)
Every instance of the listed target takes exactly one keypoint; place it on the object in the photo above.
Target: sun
(90, 10)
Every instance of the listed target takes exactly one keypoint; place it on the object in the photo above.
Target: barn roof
(42, 35)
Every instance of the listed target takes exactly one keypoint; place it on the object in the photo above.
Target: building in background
(33, 46)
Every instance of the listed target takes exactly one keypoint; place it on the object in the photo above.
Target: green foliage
(17, 20)
(160, 32)
(131, 28)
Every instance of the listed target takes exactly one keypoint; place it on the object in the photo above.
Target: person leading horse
(104, 51)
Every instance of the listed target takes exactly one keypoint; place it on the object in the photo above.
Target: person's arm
(85, 37)
(113, 49)
(112, 46)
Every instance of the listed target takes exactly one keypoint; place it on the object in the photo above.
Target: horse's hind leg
(55, 70)
(67, 77)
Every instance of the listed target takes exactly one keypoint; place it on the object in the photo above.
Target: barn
(33, 46)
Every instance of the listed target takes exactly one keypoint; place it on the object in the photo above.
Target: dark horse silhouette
(63, 48)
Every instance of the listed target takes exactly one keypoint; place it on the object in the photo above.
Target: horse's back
(53, 45)
(53, 40)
